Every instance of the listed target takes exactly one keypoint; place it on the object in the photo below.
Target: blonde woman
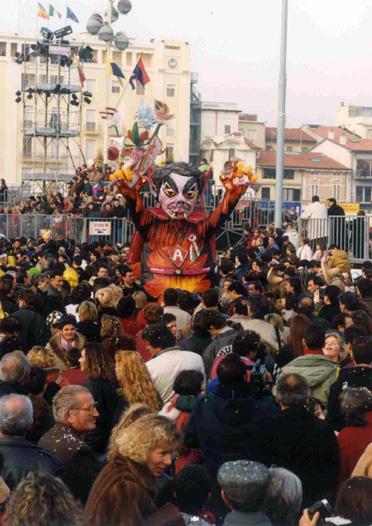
(135, 380)
(335, 348)
(145, 451)
(128, 417)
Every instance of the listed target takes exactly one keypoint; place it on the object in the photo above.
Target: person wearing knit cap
(243, 488)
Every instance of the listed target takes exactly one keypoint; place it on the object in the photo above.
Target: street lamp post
(101, 26)
(281, 118)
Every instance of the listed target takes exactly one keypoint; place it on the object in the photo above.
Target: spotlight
(18, 93)
(65, 61)
(30, 90)
(29, 96)
(87, 94)
(57, 89)
(87, 100)
(74, 96)
(74, 103)
(18, 99)
(19, 58)
(86, 54)
(64, 31)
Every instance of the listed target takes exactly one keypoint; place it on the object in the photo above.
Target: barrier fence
(351, 233)
(81, 229)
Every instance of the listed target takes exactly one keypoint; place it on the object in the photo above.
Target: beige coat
(58, 351)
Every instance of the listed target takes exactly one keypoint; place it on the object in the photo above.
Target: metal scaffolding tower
(52, 113)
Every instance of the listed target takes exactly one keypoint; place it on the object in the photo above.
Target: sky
(235, 48)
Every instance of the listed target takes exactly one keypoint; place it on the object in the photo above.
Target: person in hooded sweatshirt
(319, 372)
(226, 424)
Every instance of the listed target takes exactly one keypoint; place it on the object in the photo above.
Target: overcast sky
(235, 48)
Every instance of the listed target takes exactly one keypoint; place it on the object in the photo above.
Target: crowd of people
(247, 404)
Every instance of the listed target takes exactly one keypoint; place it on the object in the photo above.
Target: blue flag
(71, 15)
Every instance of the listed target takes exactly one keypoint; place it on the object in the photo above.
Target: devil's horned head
(178, 186)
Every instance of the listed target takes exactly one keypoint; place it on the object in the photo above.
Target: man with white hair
(75, 413)
(19, 455)
(14, 372)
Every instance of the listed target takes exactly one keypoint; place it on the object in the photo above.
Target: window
(2, 49)
(169, 152)
(265, 192)
(54, 59)
(315, 189)
(27, 147)
(90, 148)
(364, 168)
(270, 173)
(13, 49)
(171, 126)
(28, 117)
(291, 194)
(27, 80)
(304, 149)
(252, 135)
(91, 85)
(91, 118)
(227, 129)
(171, 90)
(363, 194)
(56, 79)
(140, 90)
(289, 148)
(231, 153)
(115, 87)
(129, 58)
(337, 191)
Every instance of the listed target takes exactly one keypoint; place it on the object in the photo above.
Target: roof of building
(334, 133)
(251, 144)
(313, 160)
(251, 117)
(291, 134)
(360, 145)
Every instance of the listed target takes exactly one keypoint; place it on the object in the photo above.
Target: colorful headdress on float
(142, 145)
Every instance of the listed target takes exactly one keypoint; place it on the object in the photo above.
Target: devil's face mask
(178, 195)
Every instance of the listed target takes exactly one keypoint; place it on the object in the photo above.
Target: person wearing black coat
(226, 424)
(99, 366)
(33, 327)
(338, 230)
(19, 455)
(300, 442)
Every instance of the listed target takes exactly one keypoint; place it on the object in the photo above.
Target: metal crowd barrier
(349, 233)
(81, 229)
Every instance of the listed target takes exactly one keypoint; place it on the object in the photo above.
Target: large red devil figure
(175, 243)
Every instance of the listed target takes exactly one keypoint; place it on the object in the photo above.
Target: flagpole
(108, 84)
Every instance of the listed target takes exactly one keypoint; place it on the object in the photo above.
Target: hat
(240, 477)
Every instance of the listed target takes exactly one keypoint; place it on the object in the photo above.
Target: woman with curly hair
(125, 489)
(39, 499)
(99, 366)
(135, 380)
(128, 417)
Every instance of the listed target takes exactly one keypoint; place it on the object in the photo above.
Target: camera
(323, 507)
